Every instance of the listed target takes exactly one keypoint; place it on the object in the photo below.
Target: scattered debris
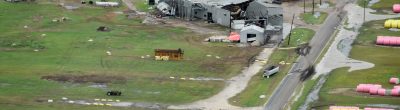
(152, 20)
(71, 101)
(317, 14)
(394, 29)
(62, 19)
(113, 93)
(167, 54)
(217, 39)
(262, 96)
(70, 6)
(107, 4)
(103, 29)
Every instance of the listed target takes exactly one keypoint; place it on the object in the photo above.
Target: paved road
(282, 94)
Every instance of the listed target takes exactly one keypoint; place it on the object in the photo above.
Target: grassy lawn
(141, 5)
(263, 86)
(307, 87)
(382, 5)
(340, 86)
(309, 18)
(65, 50)
(299, 36)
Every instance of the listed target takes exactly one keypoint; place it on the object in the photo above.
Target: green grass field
(309, 18)
(340, 86)
(299, 36)
(65, 50)
(381, 6)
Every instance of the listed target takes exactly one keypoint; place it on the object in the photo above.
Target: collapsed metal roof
(219, 3)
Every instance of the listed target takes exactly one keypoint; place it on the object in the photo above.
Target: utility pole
(364, 8)
(313, 6)
(291, 27)
(320, 2)
(304, 6)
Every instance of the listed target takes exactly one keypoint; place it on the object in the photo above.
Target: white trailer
(271, 70)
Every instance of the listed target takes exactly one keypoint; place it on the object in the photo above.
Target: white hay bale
(191, 78)
(64, 98)
(101, 104)
(183, 78)
(36, 50)
(103, 100)
(108, 105)
(172, 77)
(96, 99)
(26, 26)
(95, 103)
(43, 35)
(109, 53)
(90, 40)
(88, 103)
(209, 55)
(117, 100)
(141, 56)
(71, 101)
(50, 100)
(110, 100)
(217, 57)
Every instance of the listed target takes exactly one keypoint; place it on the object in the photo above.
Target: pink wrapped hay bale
(388, 40)
(374, 90)
(395, 92)
(394, 80)
(396, 87)
(378, 109)
(396, 8)
(382, 92)
(364, 88)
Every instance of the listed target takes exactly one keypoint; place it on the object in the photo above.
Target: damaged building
(236, 14)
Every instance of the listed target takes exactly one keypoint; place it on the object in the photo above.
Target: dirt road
(234, 86)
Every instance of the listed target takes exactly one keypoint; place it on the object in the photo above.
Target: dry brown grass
(85, 78)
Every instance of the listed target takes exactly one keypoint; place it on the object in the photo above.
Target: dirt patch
(101, 79)
(339, 90)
